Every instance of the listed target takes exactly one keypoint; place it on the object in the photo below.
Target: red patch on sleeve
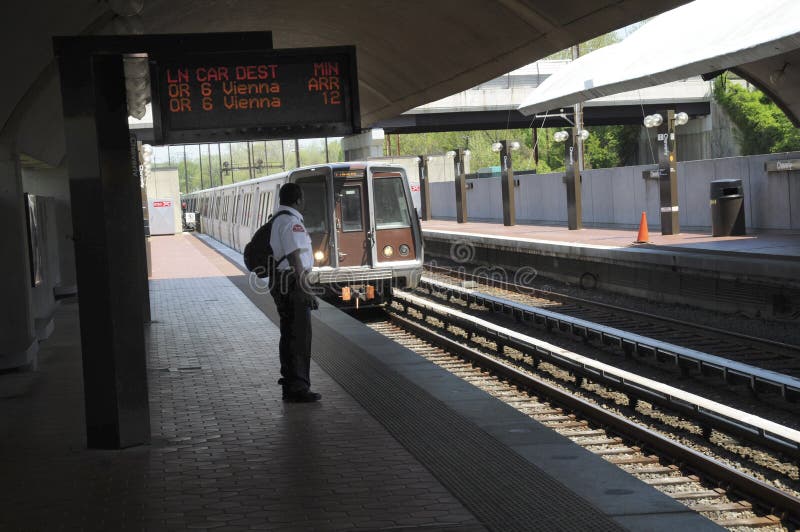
(297, 228)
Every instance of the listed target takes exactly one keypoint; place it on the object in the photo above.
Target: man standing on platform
(292, 295)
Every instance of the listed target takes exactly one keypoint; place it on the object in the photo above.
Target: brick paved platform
(378, 453)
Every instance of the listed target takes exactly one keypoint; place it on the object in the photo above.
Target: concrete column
(67, 285)
(507, 183)
(108, 230)
(363, 146)
(461, 186)
(424, 187)
(18, 343)
(668, 175)
(573, 180)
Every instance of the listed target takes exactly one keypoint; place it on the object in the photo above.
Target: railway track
(715, 488)
(763, 353)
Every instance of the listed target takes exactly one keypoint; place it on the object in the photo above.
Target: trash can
(727, 207)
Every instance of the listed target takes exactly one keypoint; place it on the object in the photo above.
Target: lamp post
(572, 174)
(424, 187)
(667, 167)
(459, 155)
(505, 147)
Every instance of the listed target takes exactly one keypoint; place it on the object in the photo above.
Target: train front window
(391, 209)
(351, 209)
(315, 209)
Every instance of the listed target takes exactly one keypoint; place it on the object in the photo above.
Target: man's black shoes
(305, 396)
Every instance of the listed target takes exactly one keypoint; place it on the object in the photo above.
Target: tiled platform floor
(226, 453)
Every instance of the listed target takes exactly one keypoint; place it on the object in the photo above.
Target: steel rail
(710, 413)
(565, 297)
(769, 497)
(730, 371)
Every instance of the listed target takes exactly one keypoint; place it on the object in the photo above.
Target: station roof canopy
(409, 52)
(759, 40)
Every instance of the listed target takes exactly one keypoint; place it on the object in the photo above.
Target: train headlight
(319, 256)
(388, 251)
(403, 249)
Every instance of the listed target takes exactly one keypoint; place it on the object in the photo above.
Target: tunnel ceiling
(409, 52)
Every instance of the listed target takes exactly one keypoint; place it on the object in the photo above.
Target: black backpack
(258, 257)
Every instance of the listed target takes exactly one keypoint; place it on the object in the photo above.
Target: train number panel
(302, 92)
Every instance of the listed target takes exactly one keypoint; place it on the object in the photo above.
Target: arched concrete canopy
(758, 40)
(782, 88)
(409, 52)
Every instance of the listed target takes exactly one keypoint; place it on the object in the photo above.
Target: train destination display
(309, 92)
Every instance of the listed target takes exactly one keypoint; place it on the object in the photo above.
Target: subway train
(364, 228)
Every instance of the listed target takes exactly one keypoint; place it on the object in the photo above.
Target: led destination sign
(310, 92)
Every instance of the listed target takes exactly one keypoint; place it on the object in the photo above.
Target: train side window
(315, 213)
(391, 208)
(265, 209)
(352, 217)
(262, 200)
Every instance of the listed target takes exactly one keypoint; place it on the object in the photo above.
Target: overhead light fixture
(497, 146)
(514, 145)
(583, 134)
(126, 8)
(654, 120)
(560, 136)
(777, 76)
(681, 118)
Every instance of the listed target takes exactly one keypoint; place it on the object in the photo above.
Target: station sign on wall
(288, 93)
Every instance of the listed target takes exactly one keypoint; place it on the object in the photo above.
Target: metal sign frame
(169, 130)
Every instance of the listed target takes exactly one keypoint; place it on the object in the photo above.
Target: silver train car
(363, 225)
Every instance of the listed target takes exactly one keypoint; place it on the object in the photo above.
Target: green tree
(761, 126)
(610, 146)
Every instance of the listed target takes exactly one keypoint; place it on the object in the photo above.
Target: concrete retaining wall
(617, 196)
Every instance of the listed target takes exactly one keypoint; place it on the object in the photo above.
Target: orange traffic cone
(644, 236)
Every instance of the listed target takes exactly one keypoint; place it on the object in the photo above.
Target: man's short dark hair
(290, 193)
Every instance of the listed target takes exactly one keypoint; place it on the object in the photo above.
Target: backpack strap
(271, 219)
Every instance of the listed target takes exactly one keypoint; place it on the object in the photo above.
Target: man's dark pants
(295, 343)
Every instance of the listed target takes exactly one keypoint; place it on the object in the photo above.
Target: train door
(395, 229)
(317, 211)
(352, 222)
